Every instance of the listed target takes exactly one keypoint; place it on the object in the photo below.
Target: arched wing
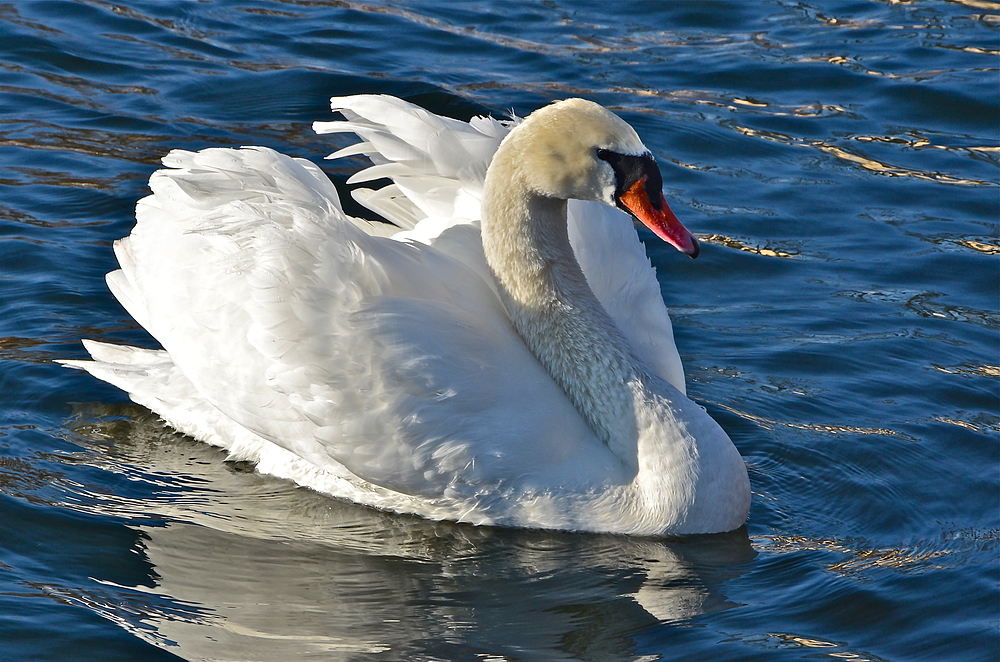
(392, 358)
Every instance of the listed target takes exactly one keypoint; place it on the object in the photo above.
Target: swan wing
(614, 261)
(438, 166)
(391, 358)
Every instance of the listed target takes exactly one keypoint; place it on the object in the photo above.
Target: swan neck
(553, 309)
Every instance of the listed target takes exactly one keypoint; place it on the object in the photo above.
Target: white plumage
(386, 369)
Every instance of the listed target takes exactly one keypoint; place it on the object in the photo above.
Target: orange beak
(659, 218)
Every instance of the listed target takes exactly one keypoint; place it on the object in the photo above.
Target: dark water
(840, 159)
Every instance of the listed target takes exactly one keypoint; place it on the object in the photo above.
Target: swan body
(500, 355)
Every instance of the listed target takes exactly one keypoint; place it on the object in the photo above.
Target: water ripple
(839, 161)
(861, 160)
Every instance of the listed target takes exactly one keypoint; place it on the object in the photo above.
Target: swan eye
(631, 169)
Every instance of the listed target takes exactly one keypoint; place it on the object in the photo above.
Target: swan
(500, 354)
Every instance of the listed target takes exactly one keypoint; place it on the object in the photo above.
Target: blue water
(839, 160)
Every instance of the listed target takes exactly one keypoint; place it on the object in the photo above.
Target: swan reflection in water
(247, 567)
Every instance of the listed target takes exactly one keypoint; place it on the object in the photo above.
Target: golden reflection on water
(921, 141)
(843, 429)
(968, 425)
(979, 4)
(892, 171)
(925, 305)
(865, 162)
(858, 559)
(733, 103)
(962, 424)
(817, 648)
(730, 242)
(969, 369)
(981, 246)
(971, 49)
(771, 424)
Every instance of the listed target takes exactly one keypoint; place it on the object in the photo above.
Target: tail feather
(152, 380)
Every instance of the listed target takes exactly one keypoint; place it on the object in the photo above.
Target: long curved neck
(688, 477)
(527, 246)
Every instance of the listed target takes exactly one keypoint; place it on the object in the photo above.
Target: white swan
(518, 374)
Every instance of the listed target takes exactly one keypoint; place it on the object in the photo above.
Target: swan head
(579, 149)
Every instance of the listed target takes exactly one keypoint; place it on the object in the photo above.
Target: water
(839, 160)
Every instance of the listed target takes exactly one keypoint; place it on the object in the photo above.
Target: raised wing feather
(438, 165)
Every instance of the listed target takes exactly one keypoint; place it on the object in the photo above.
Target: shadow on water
(241, 565)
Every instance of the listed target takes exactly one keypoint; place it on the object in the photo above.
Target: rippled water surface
(840, 162)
